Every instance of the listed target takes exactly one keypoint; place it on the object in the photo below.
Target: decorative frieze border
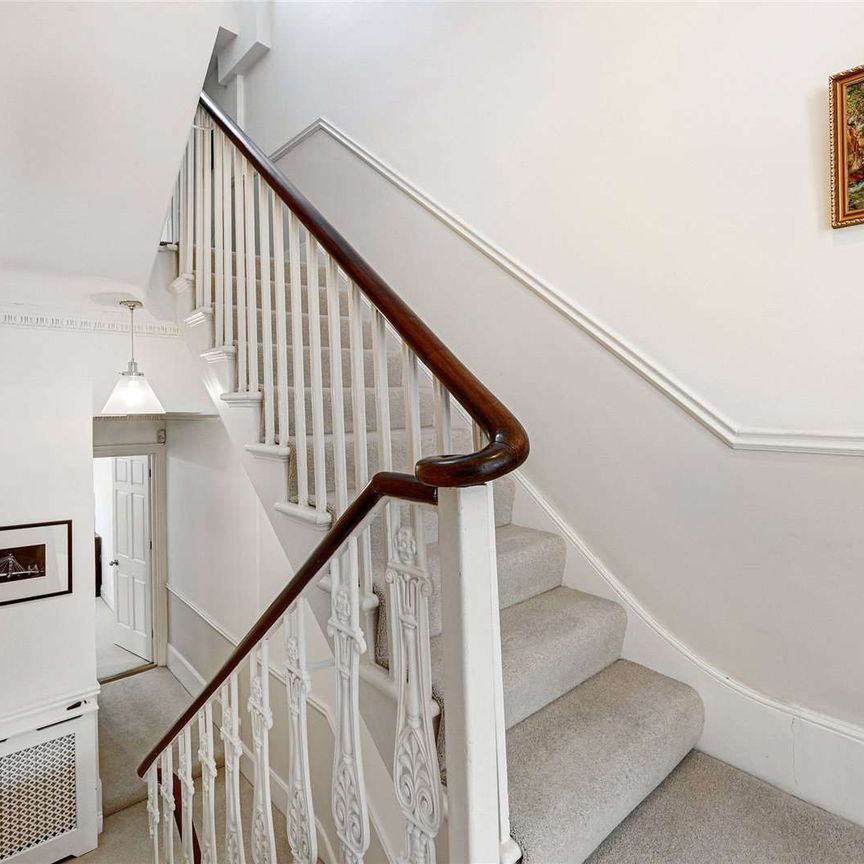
(84, 323)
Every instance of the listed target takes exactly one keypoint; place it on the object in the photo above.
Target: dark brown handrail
(383, 485)
(508, 442)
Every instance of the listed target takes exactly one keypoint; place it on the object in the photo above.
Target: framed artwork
(35, 561)
(847, 147)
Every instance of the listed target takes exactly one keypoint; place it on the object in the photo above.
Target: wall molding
(81, 323)
(838, 727)
(731, 433)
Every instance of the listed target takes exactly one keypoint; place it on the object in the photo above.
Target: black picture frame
(50, 524)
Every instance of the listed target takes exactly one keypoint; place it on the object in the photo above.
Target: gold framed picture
(847, 147)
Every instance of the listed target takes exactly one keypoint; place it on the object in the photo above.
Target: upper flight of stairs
(589, 735)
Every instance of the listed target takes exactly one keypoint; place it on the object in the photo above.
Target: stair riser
(394, 367)
(397, 409)
(324, 330)
(461, 444)
(304, 294)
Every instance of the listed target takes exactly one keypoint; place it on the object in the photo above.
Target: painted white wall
(96, 346)
(103, 495)
(46, 474)
(665, 166)
(223, 554)
(96, 112)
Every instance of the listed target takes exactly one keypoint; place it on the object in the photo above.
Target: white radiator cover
(48, 786)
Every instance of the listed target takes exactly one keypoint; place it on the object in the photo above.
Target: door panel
(133, 609)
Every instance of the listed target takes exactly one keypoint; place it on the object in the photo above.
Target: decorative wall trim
(838, 727)
(204, 616)
(83, 323)
(829, 752)
(733, 434)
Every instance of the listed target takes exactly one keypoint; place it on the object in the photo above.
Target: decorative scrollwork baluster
(263, 838)
(187, 791)
(166, 791)
(416, 774)
(350, 812)
(302, 835)
(208, 784)
(230, 733)
(153, 808)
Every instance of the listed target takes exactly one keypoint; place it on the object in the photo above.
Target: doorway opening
(127, 583)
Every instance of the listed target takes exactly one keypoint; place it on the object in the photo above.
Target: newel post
(478, 820)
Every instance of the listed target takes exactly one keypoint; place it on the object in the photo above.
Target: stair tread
(530, 562)
(581, 764)
(550, 644)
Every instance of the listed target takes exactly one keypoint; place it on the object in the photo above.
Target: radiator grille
(37, 795)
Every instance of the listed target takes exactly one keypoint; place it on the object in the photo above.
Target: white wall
(45, 452)
(103, 494)
(665, 166)
(223, 555)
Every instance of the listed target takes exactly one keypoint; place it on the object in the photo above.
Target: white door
(132, 554)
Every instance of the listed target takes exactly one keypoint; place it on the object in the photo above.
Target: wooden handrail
(506, 450)
(508, 442)
(385, 484)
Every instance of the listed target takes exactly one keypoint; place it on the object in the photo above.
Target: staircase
(331, 386)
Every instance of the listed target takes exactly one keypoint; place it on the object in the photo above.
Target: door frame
(158, 535)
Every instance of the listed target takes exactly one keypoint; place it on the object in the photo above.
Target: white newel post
(478, 822)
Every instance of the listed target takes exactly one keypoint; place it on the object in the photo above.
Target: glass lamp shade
(132, 394)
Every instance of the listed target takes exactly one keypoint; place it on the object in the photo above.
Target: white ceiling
(95, 107)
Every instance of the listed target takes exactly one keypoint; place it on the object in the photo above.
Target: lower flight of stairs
(589, 735)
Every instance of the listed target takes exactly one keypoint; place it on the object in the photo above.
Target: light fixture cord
(132, 330)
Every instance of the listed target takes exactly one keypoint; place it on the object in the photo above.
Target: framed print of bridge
(35, 561)
(847, 147)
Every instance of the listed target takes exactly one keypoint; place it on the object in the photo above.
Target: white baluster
(251, 276)
(230, 733)
(416, 774)
(266, 310)
(350, 812)
(443, 419)
(302, 836)
(199, 210)
(358, 404)
(166, 791)
(207, 250)
(187, 265)
(337, 403)
(218, 239)
(316, 381)
(281, 328)
(240, 270)
(187, 792)
(227, 233)
(206, 756)
(297, 351)
(263, 838)
(153, 807)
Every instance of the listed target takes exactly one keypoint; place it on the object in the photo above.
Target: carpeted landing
(707, 812)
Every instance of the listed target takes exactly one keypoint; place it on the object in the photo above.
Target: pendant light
(132, 394)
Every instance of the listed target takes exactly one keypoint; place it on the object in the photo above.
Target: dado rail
(357, 392)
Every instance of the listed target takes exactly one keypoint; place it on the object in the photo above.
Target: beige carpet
(707, 812)
(133, 713)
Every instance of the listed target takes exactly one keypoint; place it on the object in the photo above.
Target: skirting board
(807, 754)
(732, 433)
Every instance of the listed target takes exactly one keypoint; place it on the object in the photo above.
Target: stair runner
(589, 735)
